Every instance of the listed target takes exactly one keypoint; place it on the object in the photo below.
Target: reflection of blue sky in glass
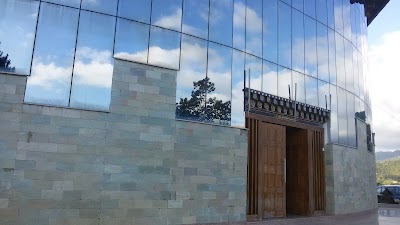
(221, 14)
(321, 6)
(284, 34)
(17, 32)
(131, 41)
(310, 33)
(342, 116)
(239, 24)
(72, 3)
(309, 8)
(254, 64)
(193, 65)
(311, 91)
(322, 51)
(334, 116)
(298, 4)
(270, 78)
(254, 27)
(323, 90)
(332, 56)
(195, 18)
(348, 49)
(331, 13)
(50, 80)
(138, 10)
(237, 115)
(167, 14)
(164, 48)
(297, 41)
(219, 71)
(270, 31)
(298, 88)
(92, 78)
(102, 6)
(351, 123)
(284, 80)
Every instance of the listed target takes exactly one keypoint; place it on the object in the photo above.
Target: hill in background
(388, 171)
(386, 155)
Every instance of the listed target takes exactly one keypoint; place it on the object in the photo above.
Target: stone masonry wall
(133, 165)
(350, 176)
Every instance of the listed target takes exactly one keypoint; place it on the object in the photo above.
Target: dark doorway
(297, 174)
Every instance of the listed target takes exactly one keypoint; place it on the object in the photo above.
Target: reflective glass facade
(319, 46)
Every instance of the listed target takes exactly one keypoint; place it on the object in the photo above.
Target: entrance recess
(286, 170)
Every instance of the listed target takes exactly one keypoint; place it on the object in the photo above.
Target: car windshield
(394, 190)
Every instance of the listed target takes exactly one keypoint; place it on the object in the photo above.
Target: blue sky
(384, 55)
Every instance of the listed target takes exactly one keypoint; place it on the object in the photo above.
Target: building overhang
(372, 8)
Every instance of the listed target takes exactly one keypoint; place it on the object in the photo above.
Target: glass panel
(331, 13)
(322, 11)
(237, 88)
(102, 6)
(338, 12)
(351, 126)
(239, 25)
(219, 73)
(131, 41)
(298, 4)
(289, 2)
(309, 8)
(17, 32)
(221, 19)
(195, 18)
(255, 66)
(138, 10)
(356, 72)
(192, 83)
(72, 3)
(340, 66)
(354, 23)
(361, 75)
(284, 80)
(298, 41)
(164, 48)
(310, 26)
(50, 81)
(323, 95)
(270, 78)
(311, 91)
(323, 54)
(93, 67)
(167, 14)
(270, 32)
(332, 56)
(284, 34)
(298, 87)
(349, 66)
(254, 27)
(342, 116)
(346, 19)
(334, 115)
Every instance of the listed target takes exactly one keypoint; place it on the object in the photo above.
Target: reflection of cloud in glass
(18, 18)
(167, 14)
(92, 62)
(164, 48)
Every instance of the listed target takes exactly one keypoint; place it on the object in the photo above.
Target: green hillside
(388, 171)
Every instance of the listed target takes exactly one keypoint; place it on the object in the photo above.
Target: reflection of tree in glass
(5, 63)
(197, 108)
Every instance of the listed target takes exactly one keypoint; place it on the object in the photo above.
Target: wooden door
(272, 149)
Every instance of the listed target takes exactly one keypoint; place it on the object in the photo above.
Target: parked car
(388, 194)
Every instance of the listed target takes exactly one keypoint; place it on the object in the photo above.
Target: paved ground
(385, 215)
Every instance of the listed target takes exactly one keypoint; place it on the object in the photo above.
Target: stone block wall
(133, 165)
(350, 176)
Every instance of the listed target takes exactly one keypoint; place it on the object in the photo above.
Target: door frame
(316, 206)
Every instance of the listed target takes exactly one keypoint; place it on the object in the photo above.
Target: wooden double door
(286, 171)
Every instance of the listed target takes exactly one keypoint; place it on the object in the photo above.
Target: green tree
(5, 63)
(199, 108)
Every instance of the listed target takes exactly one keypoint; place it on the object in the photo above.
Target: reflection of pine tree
(5, 63)
(197, 108)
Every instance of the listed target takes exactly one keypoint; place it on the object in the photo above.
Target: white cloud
(384, 81)
(49, 75)
(172, 21)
